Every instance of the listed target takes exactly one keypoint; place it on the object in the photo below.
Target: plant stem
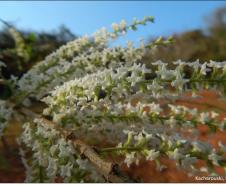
(115, 149)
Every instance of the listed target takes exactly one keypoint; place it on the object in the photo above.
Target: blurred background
(31, 30)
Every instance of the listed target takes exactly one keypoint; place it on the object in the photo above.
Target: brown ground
(11, 168)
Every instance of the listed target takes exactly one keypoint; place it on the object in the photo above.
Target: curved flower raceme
(78, 67)
(77, 58)
(152, 146)
(53, 156)
(109, 94)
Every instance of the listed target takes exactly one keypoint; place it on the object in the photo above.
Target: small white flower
(115, 27)
(204, 117)
(164, 73)
(193, 112)
(158, 63)
(152, 155)
(65, 149)
(122, 24)
(82, 163)
(215, 158)
(2, 64)
(204, 169)
(188, 161)
(201, 147)
(52, 167)
(156, 88)
(155, 108)
(171, 121)
(131, 158)
(222, 146)
(142, 136)
(180, 63)
(179, 81)
(204, 69)
(213, 114)
(176, 109)
(176, 155)
(65, 170)
(41, 156)
(53, 149)
(128, 132)
(87, 166)
(215, 64)
(195, 65)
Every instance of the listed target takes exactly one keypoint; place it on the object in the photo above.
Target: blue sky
(86, 17)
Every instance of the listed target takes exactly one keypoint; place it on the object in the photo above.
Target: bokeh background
(31, 30)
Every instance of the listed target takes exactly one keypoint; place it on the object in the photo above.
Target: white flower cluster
(115, 99)
(110, 84)
(5, 114)
(77, 58)
(198, 79)
(100, 93)
(36, 76)
(107, 96)
(40, 84)
(122, 27)
(54, 156)
(151, 146)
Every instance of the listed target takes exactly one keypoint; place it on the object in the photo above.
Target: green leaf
(159, 40)
(32, 37)
(151, 19)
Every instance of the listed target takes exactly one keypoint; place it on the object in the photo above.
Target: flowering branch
(94, 92)
(110, 170)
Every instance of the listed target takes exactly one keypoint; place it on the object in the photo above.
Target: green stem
(115, 149)
(195, 80)
(41, 174)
